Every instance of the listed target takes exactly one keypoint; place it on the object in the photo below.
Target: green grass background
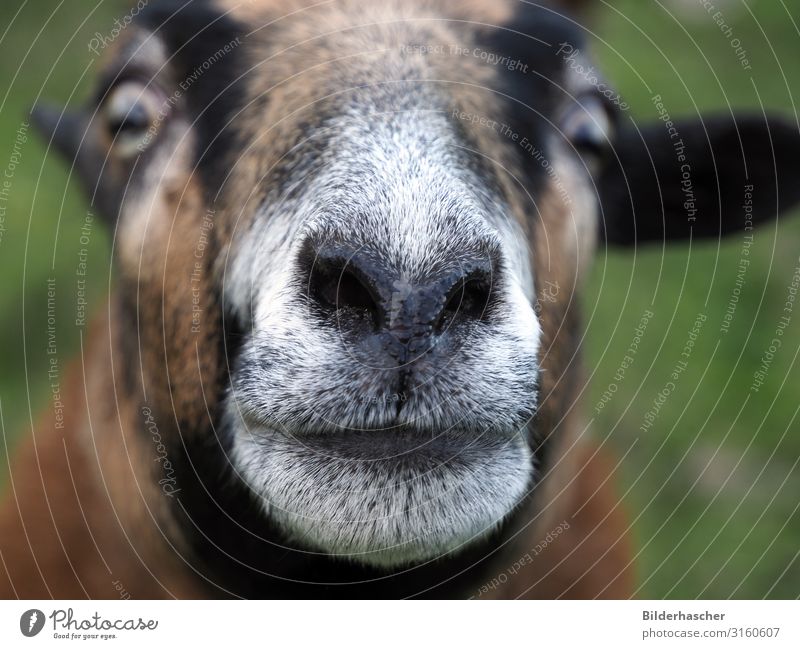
(713, 487)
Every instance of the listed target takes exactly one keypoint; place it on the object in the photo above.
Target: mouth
(385, 498)
(400, 443)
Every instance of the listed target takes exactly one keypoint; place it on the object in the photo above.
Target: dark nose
(365, 293)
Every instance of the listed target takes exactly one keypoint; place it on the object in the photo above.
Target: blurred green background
(713, 486)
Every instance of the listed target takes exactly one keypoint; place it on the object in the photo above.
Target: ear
(60, 128)
(68, 133)
(698, 178)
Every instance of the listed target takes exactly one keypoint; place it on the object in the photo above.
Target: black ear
(698, 178)
(63, 129)
(68, 133)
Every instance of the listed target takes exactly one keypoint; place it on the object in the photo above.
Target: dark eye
(588, 126)
(133, 113)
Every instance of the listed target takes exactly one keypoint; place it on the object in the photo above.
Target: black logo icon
(31, 622)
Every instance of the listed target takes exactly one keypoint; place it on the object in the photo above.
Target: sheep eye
(588, 126)
(132, 113)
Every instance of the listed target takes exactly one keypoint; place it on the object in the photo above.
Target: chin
(385, 499)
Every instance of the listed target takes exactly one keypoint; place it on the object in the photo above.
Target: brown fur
(75, 522)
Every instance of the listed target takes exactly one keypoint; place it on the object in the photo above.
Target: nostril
(339, 288)
(469, 299)
(355, 287)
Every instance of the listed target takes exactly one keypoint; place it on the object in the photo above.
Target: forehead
(242, 68)
(274, 90)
